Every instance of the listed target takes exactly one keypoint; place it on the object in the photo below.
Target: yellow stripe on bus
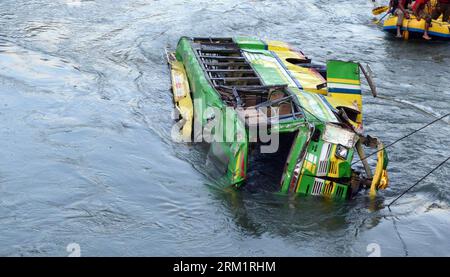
(237, 168)
(344, 81)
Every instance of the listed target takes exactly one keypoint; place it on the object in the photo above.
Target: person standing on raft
(443, 7)
(400, 8)
(420, 12)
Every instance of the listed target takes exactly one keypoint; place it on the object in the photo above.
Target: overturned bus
(244, 96)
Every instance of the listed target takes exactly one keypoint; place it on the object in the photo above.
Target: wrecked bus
(244, 96)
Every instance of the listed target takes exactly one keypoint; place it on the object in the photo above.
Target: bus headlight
(341, 152)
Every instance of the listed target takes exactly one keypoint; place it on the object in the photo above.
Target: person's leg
(427, 26)
(400, 16)
(446, 12)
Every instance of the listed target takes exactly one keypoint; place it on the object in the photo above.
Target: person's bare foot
(427, 37)
(398, 36)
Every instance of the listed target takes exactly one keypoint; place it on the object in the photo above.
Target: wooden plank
(223, 57)
(226, 64)
(230, 70)
(236, 78)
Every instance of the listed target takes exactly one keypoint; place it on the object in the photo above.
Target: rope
(421, 179)
(402, 138)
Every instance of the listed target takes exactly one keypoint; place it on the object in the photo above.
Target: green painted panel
(293, 159)
(250, 43)
(269, 75)
(204, 96)
(315, 107)
(342, 70)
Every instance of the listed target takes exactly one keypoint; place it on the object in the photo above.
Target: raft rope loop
(415, 184)
(404, 137)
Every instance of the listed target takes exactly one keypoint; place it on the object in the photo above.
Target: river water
(87, 157)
